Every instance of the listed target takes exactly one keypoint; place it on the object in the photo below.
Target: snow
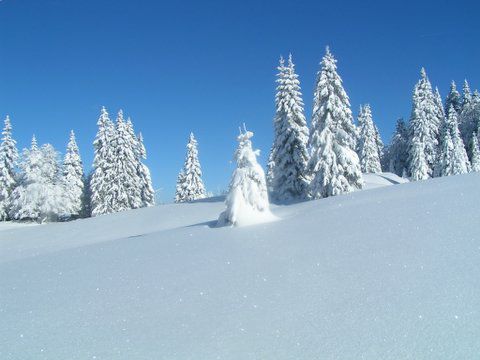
(373, 181)
(399, 281)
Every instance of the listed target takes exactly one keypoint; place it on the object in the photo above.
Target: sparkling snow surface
(388, 273)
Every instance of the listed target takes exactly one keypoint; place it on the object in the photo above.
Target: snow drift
(388, 273)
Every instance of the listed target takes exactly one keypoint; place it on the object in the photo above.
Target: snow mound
(373, 181)
(391, 273)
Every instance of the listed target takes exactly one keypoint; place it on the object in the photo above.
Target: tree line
(36, 186)
(324, 159)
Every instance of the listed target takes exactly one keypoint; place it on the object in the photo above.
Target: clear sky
(208, 66)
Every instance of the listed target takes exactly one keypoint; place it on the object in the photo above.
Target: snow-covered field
(388, 273)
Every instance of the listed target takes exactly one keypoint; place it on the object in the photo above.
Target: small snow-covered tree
(8, 160)
(453, 98)
(475, 163)
(467, 95)
(424, 128)
(331, 109)
(179, 188)
(102, 176)
(289, 155)
(40, 194)
(368, 148)
(192, 187)
(379, 143)
(396, 156)
(146, 189)
(247, 199)
(73, 178)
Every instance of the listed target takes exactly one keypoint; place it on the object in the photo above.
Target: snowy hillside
(389, 273)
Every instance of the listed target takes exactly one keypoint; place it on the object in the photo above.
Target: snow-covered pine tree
(247, 199)
(87, 196)
(460, 159)
(467, 95)
(146, 189)
(454, 99)
(40, 194)
(102, 176)
(328, 179)
(8, 160)
(419, 169)
(396, 157)
(332, 136)
(136, 198)
(440, 111)
(124, 190)
(73, 178)
(270, 172)
(455, 160)
(469, 119)
(424, 128)
(380, 144)
(444, 166)
(179, 197)
(368, 149)
(289, 155)
(475, 163)
(192, 187)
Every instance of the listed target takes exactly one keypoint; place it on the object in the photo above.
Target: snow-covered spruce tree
(424, 128)
(396, 157)
(380, 144)
(146, 189)
(469, 119)
(467, 95)
(191, 188)
(475, 163)
(270, 172)
(8, 160)
(444, 166)
(419, 169)
(73, 178)
(453, 98)
(87, 196)
(102, 176)
(179, 188)
(455, 161)
(368, 149)
(440, 111)
(124, 190)
(289, 155)
(247, 199)
(40, 194)
(333, 165)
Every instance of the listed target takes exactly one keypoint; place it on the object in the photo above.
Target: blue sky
(208, 66)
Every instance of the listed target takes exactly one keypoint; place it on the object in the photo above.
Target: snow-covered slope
(390, 273)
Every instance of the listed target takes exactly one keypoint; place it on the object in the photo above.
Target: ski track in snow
(389, 273)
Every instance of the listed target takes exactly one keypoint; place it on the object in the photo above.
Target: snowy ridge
(362, 279)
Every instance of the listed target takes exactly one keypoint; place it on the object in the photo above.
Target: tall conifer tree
(289, 156)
